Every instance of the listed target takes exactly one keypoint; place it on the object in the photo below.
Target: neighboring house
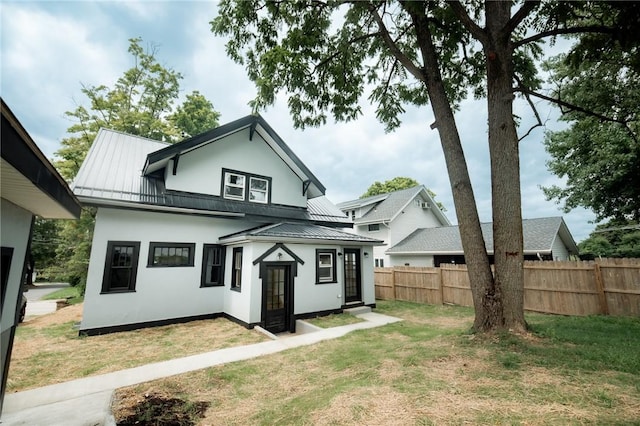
(30, 186)
(229, 222)
(545, 238)
(393, 216)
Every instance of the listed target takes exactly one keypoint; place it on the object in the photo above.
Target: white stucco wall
(15, 227)
(175, 292)
(200, 170)
(161, 292)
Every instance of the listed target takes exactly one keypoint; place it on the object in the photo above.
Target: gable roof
(257, 125)
(112, 174)
(539, 235)
(386, 207)
(28, 179)
(298, 232)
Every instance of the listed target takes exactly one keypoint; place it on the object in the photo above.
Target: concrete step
(358, 310)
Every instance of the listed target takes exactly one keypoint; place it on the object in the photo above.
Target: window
(246, 187)
(212, 265)
(353, 215)
(259, 190)
(121, 266)
(236, 277)
(325, 266)
(379, 263)
(374, 227)
(171, 254)
(233, 186)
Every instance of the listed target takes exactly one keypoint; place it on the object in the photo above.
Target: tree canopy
(599, 154)
(395, 184)
(615, 238)
(140, 103)
(329, 56)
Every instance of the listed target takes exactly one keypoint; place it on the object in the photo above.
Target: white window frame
(227, 183)
(261, 191)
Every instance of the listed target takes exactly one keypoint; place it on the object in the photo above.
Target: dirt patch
(154, 408)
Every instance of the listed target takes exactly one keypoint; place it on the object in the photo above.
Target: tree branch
(560, 31)
(533, 108)
(393, 47)
(338, 53)
(477, 32)
(577, 108)
(522, 13)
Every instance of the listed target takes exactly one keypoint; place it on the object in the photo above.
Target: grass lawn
(48, 350)
(425, 370)
(72, 294)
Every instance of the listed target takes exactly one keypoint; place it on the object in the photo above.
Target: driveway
(36, 306)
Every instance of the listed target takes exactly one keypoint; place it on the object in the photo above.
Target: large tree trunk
(487, 310)
(505, 169)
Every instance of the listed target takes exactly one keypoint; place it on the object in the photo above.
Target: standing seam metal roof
(112, 173)
(303, 231)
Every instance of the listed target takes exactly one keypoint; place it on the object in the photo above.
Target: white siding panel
(559, 250)
(412, 218)
(16, 226)
(413, 260)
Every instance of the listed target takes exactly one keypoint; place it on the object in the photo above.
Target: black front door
(276, 298)
(352, 281)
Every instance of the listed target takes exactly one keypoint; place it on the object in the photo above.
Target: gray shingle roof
(112, 174)
(301, 231)
(385, 207)
(538, 234)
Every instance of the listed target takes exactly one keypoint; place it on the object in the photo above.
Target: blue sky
(48, 49)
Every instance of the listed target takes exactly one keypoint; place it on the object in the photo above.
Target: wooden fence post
(441, 286)
(600, 288)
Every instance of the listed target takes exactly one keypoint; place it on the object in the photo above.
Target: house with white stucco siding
(226, 223)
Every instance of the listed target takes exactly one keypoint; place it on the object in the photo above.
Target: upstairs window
(246, 187)
(259, 190)
(374, 227)
(171, 254)
(234, 186)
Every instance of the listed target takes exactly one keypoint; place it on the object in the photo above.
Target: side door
(277, 298)
(352, 275)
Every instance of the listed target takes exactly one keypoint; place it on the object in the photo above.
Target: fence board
(608, 286)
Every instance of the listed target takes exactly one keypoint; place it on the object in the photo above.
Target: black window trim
(373, 227)
(106, 276)
(155, 244)
(334, 277)
(235, 285)
(223, 251)
(247, 185)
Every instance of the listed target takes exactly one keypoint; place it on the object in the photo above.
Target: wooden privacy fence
(605, 286)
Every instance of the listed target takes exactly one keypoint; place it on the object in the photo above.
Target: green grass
(72, 294)
(432, 370)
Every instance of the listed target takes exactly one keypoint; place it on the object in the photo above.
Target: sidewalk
(87, 401)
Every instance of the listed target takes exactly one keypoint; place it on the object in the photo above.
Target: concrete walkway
(87, 401)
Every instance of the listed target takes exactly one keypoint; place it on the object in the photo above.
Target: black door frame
(289, 295)
(358, 266)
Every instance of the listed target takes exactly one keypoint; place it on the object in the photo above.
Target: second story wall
(413, 216)
(201, 170)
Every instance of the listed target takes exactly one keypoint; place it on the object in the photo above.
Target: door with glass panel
(276, 298)
(352, 280)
